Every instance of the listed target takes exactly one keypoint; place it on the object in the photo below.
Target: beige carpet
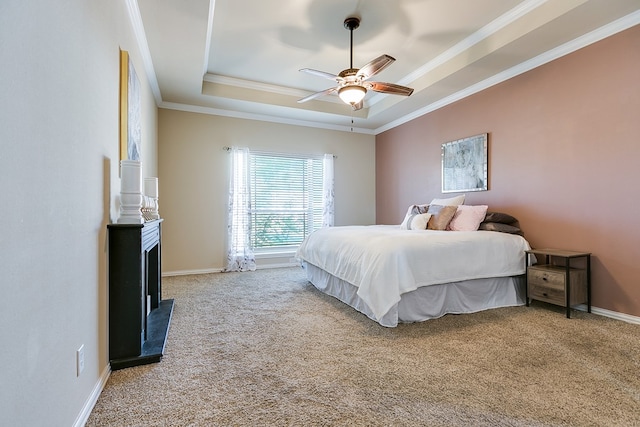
(266, 348)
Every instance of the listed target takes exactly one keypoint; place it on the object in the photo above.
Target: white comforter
(385, 262)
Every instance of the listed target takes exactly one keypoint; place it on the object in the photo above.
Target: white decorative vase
(151, 187)
(151, 192)
(131, 192)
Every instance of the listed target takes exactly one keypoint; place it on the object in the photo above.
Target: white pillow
(415, 221)
(412, 210)
(468, 218)
(452, 201)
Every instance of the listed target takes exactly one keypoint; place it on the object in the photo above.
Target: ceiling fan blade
(388, 88)
(317, 95)
(321, 74)
(358, 106)
(375, 66)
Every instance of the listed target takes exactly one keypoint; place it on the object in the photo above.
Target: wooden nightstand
(559, 284)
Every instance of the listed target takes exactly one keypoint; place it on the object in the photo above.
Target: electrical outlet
(80, 360)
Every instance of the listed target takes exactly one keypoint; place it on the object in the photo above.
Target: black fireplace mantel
(138, 317)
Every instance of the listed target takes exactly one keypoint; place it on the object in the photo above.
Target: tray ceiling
(241, 58)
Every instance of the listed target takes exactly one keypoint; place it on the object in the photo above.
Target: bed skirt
(428, 302)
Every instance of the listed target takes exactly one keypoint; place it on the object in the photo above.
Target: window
(286, 194)
(275, 201)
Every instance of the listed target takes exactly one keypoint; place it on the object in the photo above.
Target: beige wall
(563, 158)
(193, 182)
(59, 182)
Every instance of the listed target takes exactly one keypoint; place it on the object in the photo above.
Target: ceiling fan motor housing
(351, 23)
(349, 72)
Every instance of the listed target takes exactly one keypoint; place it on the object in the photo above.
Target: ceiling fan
(353, 82)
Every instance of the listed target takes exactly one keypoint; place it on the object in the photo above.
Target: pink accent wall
(564, 158)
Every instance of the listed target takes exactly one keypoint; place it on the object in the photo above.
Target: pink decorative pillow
(468, 218)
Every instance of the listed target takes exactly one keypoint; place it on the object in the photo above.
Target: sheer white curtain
(327, 190)
(240, 255)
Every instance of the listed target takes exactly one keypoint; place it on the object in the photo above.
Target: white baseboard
(219, 270)
(609, 313)
(190, 272)
(282, 265)
(83, 416)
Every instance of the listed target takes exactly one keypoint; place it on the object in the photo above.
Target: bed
(394, 274)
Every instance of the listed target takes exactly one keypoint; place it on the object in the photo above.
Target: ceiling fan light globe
(352, 94)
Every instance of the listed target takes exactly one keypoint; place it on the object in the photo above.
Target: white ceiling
(241, 58)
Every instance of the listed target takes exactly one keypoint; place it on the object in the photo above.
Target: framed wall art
(130, 110)
(464, 164)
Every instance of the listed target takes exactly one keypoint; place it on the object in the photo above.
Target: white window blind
(286, 199)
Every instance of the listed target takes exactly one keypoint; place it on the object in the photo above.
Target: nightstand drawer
(547, 276)
(549, 294)
(547, 283)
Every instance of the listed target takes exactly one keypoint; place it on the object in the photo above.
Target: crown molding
(207, 46)
(249, 84)
(475, 38)
(260, 117)
(263, 87)
(143, 47)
